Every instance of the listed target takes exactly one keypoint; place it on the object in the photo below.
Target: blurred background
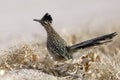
(71, 16)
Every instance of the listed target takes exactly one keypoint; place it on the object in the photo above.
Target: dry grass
(99, 63)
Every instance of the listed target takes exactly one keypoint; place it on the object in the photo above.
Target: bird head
(45, 18)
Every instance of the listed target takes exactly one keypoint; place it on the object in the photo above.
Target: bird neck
(50, 30)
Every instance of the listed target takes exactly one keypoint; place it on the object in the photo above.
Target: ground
(31, 61)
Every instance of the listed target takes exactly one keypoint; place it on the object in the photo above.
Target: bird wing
(59, 48)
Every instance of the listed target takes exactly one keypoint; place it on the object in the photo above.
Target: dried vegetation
(98, 63)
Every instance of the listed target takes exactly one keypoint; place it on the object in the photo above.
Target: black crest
(47, 17)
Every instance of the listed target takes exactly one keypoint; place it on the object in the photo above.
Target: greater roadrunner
(59, 49)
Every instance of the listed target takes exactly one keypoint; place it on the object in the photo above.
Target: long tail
(94, 42)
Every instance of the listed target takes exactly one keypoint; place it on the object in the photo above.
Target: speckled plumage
(58, 48)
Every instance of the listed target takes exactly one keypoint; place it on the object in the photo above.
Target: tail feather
(94, 42)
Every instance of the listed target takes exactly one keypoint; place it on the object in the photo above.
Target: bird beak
(36, 20)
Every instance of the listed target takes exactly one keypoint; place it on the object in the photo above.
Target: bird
(58, 47)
